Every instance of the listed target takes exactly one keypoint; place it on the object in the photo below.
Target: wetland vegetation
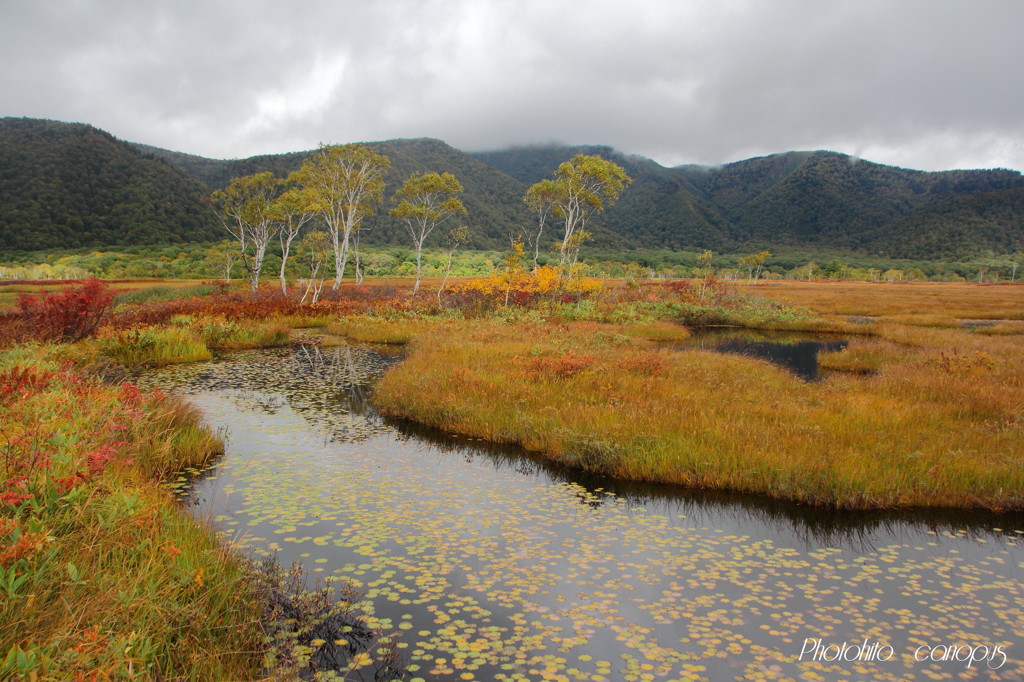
(491, 563)
(920, 408)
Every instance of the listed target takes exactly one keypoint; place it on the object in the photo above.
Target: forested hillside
(802, 198)
(71, 185)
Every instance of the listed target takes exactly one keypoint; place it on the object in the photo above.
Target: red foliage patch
(69, 315)
(17, 383)
(261, 305)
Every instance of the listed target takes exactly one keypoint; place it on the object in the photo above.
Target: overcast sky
(928, 84)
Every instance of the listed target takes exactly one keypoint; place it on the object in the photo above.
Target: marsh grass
(940, 300)
(658, 330)
(102, 575)
(189, 339)
(167, 292)
(863, 356)
(231, 334)
(997, 329)
(154, 346)
(937, 423)
(373, 329)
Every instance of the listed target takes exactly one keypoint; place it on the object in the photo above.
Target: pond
(797, 352)
(491, 564)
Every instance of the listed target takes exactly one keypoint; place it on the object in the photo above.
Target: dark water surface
(797, 352)
(491, 564)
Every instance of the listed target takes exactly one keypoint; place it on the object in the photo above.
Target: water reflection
(809, 526)
(330, 388)
(492, 563)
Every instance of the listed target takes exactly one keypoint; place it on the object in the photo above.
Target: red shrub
(265, 304)
(69, 315)
(17, 383)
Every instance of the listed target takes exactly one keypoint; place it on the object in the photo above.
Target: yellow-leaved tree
(425, 200)
(343, 183)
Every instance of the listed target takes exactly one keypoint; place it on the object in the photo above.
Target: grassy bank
(187, 340)
(102, 575)
(936, 424)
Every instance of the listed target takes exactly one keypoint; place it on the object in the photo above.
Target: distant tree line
(220, 260)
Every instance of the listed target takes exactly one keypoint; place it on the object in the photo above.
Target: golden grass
(997, 329)
(940, 422)
(863, 356)
(957, 300)
(659, 330)
(370, 329)
(236, 335)
(153, 346)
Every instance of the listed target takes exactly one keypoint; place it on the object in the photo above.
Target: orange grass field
(955, 300)
(924, 407)
(918, 411)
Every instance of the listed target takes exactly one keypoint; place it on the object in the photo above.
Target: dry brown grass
(958, 300)
(920, 416)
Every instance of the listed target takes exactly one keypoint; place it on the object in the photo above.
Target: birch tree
(316, 247)
(705, 269)
(586, 185)
(541, 198)
(344, 182)
(222, 257)
(246, 213)
(754, 263)
(457, 236)
(292, 210)
(424, 201)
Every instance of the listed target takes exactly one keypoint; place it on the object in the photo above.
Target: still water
(491, 564)
(797, 352)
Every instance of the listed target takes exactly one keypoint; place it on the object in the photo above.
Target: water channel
(492, 564)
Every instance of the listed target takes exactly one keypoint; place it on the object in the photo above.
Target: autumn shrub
(101, 575)
(68, 315)
(520, 289)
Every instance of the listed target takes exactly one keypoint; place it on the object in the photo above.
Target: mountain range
(65, 185)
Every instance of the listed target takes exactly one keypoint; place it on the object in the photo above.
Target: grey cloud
(919, 83)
